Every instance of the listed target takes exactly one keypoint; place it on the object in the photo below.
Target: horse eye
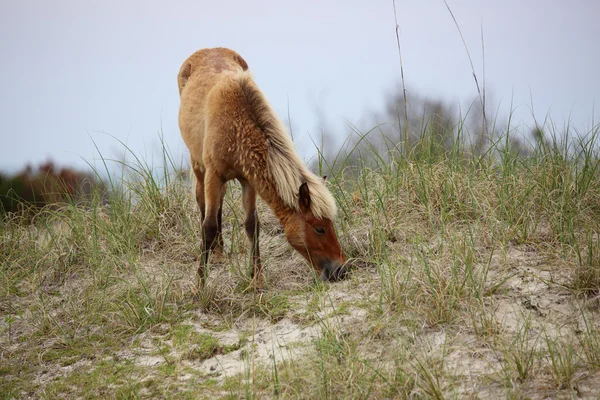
(320, 230)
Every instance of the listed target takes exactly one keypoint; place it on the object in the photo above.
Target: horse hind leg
(212, 196)
(199, 174)
(252, 227)
(219, 246)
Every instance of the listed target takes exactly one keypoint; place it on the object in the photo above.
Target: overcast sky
(71, 69)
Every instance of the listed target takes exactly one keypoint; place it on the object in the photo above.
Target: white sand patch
(268, 344)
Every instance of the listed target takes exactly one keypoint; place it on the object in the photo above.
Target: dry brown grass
(471, 280)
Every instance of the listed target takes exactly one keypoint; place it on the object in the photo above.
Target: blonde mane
(286, 169)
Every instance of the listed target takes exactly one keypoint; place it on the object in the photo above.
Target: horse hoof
(195, 294)
(218, 256)
(258, 283)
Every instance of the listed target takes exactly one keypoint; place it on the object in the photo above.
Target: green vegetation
(476, 273)
(29, 190)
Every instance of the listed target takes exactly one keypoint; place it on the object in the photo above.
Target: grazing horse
(232, 132)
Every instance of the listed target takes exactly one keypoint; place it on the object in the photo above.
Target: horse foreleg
(252, 227)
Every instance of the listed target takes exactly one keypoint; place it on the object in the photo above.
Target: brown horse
(232, 133)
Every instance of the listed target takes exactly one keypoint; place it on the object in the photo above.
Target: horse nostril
(339, 273)
(332, 273)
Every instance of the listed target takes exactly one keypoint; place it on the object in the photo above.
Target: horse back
(198, 75)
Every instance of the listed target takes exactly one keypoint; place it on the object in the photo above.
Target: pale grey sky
(70, 67)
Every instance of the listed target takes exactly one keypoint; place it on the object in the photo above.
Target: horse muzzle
(333, 271)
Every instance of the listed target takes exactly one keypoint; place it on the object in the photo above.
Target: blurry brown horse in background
(232, 133)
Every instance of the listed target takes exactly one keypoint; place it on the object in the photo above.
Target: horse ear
(304, 197)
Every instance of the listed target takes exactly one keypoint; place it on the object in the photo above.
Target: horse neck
(268, 193)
